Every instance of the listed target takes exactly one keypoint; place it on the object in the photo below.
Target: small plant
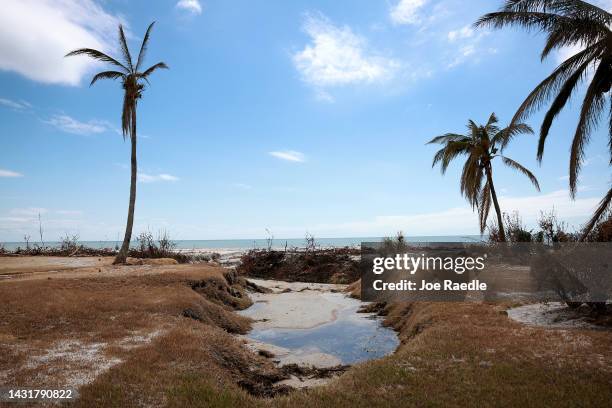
(552, 230)
(69, 243)
(394, 245)
(269, 239)
(166, 245)
(515, 229)
(311, 244)
(26, 239)
(145, 242)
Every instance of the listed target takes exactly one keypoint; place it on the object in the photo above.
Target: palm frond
(574, 32)
(144, 46)
(604, 205)
(471, 179)
(150, 70)
(449, 153)
(504, 136)
(530, 20)
(550, 85)
(97, 55)
(574, 8)
(447, 137)
(484, 206)
(492, 120)
(106, 75)
(515, 165)
(125, 50)
(592, 105)
(564, 94)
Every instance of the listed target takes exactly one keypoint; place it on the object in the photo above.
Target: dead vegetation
(146, 247)
(335, 265)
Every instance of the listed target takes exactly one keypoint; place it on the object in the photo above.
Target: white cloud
(153, 178)
(19, 105)
(337, 56)
(407, 12)
(71, 125)
(192, 6)
(464, 32)
(459, 220)
(289, 155)
(36, 34)
(9, 173)
(462, 56)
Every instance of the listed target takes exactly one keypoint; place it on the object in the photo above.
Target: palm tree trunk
(500, 221)
(125, 247)
(604, 204)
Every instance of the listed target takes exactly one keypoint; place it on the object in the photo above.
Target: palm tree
(481, 145)
(567, 23)
(132, 79)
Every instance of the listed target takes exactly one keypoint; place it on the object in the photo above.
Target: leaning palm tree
(481, 145)
(567, 23)
(132, 79)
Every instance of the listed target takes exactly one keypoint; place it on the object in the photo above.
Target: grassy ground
(121, 335)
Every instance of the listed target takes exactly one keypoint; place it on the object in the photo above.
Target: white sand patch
(295, 305)
(553, 315)
(80, 363)
(74, 363)
(139, 338)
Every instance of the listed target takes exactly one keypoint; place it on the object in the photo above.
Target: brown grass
(122, 334)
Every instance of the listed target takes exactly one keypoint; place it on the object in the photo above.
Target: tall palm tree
(481, 145)
(132, 80)
(567, 23)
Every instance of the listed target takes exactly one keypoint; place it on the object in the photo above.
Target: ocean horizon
(245, 244)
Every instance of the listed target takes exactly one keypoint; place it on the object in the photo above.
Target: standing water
(315, 324)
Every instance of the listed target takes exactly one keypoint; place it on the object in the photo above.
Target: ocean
(246, 244)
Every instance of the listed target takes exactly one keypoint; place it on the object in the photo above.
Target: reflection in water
(352, 337)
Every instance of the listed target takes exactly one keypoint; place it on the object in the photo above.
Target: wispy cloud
(465, 45)
(289, 155)
(9, 173)
(407, 12)
(18, 105)
(191, 6)
(153, 178)
(69, 124)
(337, 56)
(462, 33)
(35, 36)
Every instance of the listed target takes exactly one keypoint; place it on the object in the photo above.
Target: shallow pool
(316, 324)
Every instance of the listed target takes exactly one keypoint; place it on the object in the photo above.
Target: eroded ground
(168, 335)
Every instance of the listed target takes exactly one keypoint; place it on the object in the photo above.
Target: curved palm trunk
(604, 204)
(500, 221)
(125, 247)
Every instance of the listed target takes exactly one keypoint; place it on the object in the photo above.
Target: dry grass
(467, 354)
(121, 336)
(68, 330)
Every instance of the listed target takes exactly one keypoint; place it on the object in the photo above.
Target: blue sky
(294, 116)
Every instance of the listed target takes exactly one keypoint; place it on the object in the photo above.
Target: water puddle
(315, 325)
